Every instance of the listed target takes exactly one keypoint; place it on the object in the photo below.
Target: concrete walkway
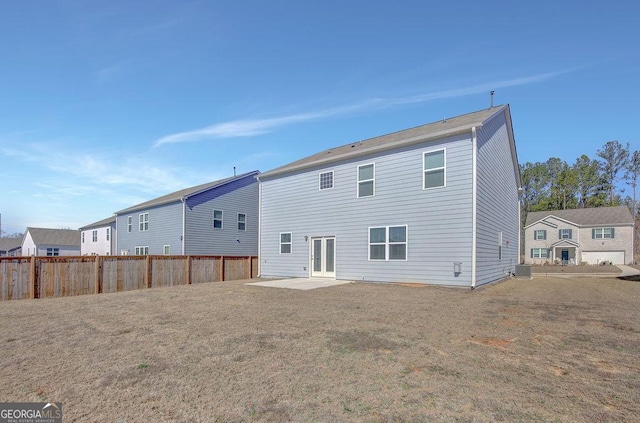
(627, 271)
(304, 284)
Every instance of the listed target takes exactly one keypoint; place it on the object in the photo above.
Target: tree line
(599, 182)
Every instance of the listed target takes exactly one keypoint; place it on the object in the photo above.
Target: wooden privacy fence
(42, 277)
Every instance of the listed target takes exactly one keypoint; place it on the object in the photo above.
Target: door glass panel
(317, 255)
(330, 255)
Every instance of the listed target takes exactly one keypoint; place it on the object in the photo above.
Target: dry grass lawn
(547, 349)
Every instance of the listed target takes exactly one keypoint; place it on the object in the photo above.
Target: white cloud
(251, 127)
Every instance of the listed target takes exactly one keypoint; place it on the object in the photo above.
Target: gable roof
(8, 244)
(429, 132)
(63, 237)
(598, 216)
(186, 193)
(100, 223)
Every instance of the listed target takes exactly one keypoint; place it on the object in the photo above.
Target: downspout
(259, 223)
(184, 224)
(474, 190)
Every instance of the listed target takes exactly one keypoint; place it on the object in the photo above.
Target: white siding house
(434, 204)
(99, 238)
(51, 242)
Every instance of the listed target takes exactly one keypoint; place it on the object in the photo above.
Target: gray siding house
(217, 218)
(435, 204)
(591, 236)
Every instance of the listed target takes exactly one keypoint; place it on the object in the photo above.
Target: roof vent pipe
(234, 171)
(491, 92)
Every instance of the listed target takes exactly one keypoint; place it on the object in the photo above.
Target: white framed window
(124, 252)
(143, 220)
(540, 253)
(94, 236)
(326, 180)
(129, 224)
(500, 245)
(603, 233)
(217, 219)
(285, 242)
(166, 250)
(242, 222)
(564, 233)
(142, 251)
(366, 180)
(83, 237)
(388, 243)
(52, 252)
(540, 234)
(108, 233)
(434, 169)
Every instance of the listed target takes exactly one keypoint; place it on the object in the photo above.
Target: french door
(323, 257)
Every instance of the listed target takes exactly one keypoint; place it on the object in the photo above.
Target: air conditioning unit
(523, 271)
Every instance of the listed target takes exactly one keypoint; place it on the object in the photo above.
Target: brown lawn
(546, 349)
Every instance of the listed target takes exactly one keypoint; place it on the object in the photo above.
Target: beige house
(577, 236)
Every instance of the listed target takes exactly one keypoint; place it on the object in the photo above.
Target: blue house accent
(435, 204)
(217, 218)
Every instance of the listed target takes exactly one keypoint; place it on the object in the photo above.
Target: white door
(596, 257)
(323, 257)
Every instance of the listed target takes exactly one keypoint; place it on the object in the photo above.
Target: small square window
(326, 180)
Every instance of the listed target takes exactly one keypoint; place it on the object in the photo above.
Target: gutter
(474, 205)
(259, 223)
(184, 223)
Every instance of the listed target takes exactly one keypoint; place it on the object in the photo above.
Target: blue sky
(105, 104)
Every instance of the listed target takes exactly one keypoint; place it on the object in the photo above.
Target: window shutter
(548, 252)
(544, 234)
(570, 230)
(559, 233)
(593, 234)
(532, 253)
(613, 232)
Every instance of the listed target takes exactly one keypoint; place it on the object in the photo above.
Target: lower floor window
(285, 243)
(166, 250)
(388, 243)
(540, 253)
(53, 252)
(142, 251)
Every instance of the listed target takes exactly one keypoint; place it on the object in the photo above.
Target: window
(53, 252)
(94, 236)
(388, 243)
(434, 169)
(129, 223)
(603, 233)
(242, 222)
(326, 180)
(143, 222)
(540, 234)
(500, 245)
(564, 233)
(108, 232)
(366, 180)
(142, 251)
(83, 237)
(166, 250)
(217, 219)
(285, 243)
(540, 253)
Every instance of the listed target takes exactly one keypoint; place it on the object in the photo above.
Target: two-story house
(99, 238)
(434, 204)
(592, 236)
(216, 218)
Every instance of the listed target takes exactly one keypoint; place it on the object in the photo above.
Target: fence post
(221, 268)
(32, 277)
(188, 271)
(250, 266)
(148, 274)
(96, 277)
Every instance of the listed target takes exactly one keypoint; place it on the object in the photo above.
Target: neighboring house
(99, 238)
(581, 235)
(217, 218)
(434, 204)
(10, 247)
(51, 242)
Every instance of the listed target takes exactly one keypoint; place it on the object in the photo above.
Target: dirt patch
(547, 349)
(591, 269)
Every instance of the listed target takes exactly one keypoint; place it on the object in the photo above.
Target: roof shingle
(619, 215)
(46, 236)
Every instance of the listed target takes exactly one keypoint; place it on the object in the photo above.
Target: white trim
(373, 180)
(320, 180)
(474, 204)
(444, 168)
(213, 219)
(238, 222)
(140, 250)
(183, 238)
(290, 243)
(143, 220)
(129, 224)
(259, 225)
(166, 250)
(387, 242)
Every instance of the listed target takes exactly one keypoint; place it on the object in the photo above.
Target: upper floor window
(388, 243)
(603, 233)
(326, 180)
(285, 243)
(434, 169)
(217, 219)
(94, 236)
(540, 234)
(564, 233)
(144, 222)
(129, 223)
(108, 233)
(83, 237)
(366, 180)
(242, 222)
